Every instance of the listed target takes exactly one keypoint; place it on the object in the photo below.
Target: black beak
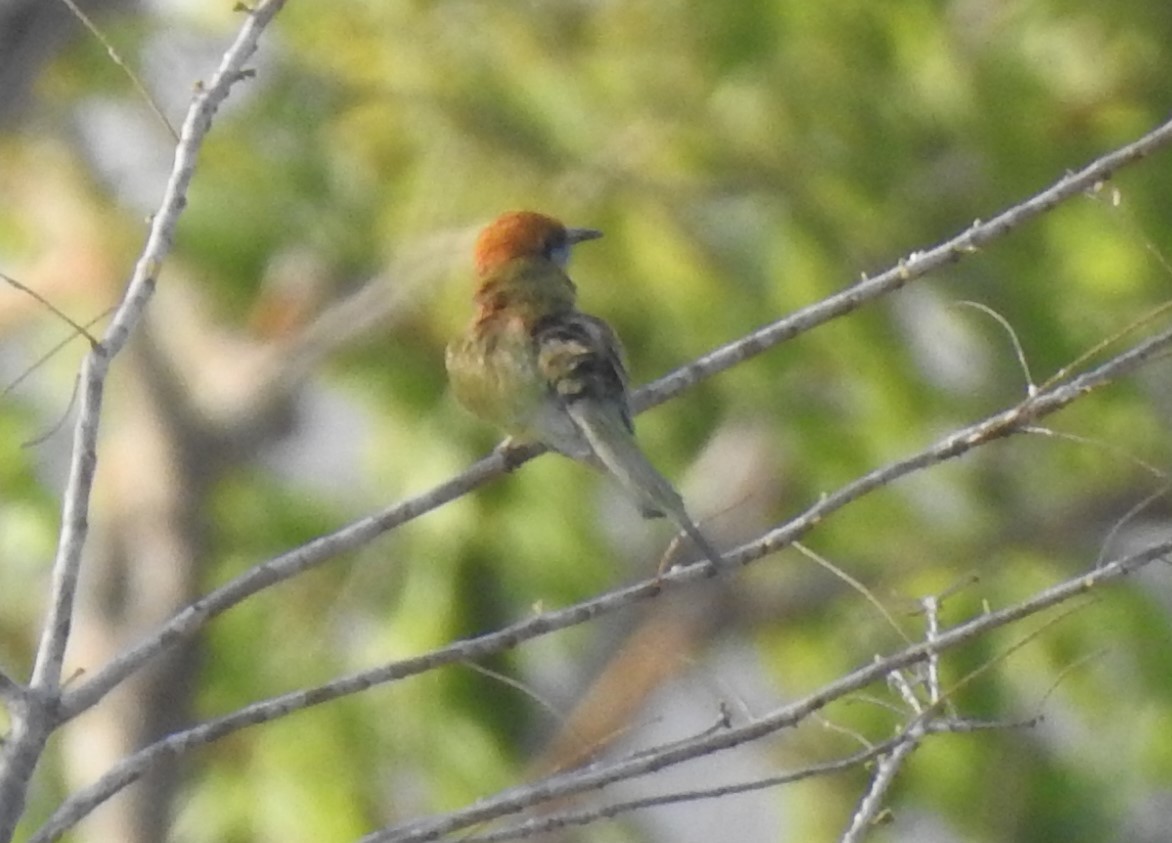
(577, 235)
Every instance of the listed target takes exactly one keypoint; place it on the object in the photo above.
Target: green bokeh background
(744, 159)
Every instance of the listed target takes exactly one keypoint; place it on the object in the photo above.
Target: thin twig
(553, 822)
(866, 593)
(521, 687)
(870, 807)
(44, 436)
(48, 355)
(117, 59)
(1133, 326)
(56, 311)
(1104, 446)
(932, 611)
(1018, 351)
(1129, 516)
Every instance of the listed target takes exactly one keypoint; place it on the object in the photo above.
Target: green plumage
(543, 371)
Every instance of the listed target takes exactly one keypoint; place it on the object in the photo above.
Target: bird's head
(526, 234)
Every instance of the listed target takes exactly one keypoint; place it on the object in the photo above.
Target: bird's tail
(615, 447)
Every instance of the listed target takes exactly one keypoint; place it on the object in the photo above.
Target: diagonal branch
(1014, 420)
(597, 776)
(915, 266)
(192, 619)
(601, 775)
(870, 808)
(555, 822)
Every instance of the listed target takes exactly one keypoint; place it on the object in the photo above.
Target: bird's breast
(493, 372)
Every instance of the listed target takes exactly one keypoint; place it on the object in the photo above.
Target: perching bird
(534, 365)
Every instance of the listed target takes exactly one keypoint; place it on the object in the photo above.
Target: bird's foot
(512, 452)
(671, 558)
(676, 557)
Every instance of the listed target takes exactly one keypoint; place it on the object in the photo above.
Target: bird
(534, 365)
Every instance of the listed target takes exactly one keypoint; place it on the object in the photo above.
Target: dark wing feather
(581, 357)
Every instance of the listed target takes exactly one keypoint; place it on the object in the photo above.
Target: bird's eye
(558, 251)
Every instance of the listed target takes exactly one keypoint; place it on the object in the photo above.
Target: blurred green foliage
(744, 159)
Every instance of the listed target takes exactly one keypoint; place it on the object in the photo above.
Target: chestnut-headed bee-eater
(543, 371)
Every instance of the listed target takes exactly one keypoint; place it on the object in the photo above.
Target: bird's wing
(581, 359)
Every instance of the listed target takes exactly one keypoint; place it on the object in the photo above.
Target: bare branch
(37, 715)
(592, 777)
(541, 825)
(932, 611)
(553, 822)
(601, 775)
(47, 672)
(194, 617)
(870, 808)
(190, 620)
(280, 568)
(1017, 419)
(917, 264)
(871, 811)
